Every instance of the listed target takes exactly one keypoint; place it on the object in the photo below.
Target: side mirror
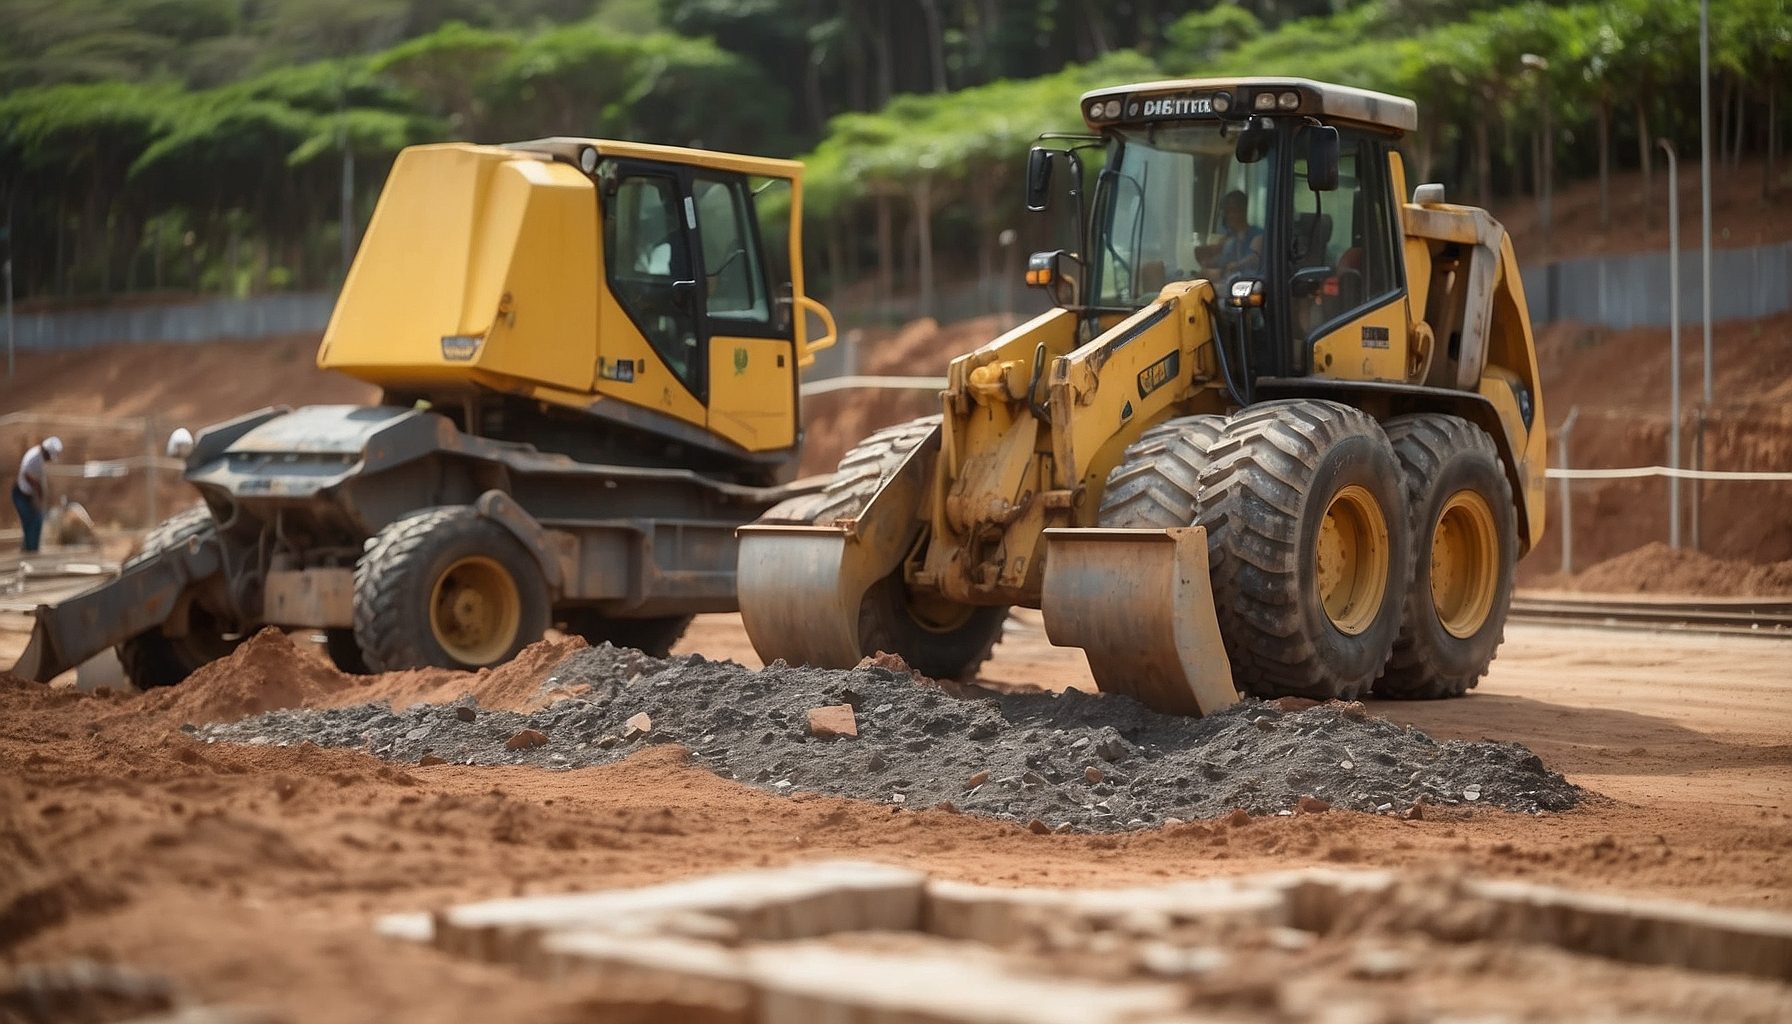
(1254, 140)
(1060, 273)
(1039, 178)
(1322, 158)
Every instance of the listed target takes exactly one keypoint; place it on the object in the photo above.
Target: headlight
(1113, 108)
(1222, 102)
(1264, 101)
(1095, 111)
(1288, 100)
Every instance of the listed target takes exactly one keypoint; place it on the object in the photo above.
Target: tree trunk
(936, 42)
(886, 274)
(1605, 163)
(1741, 122)
(886, 61)
(1642, 155)
(1098, 35)
(924, 241)
(1483, 162)
(1773, 116)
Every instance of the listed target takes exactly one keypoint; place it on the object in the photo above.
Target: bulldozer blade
(1139, 604)
(141, 597)
(800, 587)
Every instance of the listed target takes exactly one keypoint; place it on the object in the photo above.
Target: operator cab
(1279, 191)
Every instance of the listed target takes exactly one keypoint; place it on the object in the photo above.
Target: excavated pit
(1067, 761)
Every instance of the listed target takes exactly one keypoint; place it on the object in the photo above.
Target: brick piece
(526, 739)
(832, 722)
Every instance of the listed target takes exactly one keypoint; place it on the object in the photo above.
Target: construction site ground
(252, 875)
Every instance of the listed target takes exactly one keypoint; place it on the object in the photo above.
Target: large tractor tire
(345, 651)
(153, 658)
(1309, 548)
(653, 636)
(449, 588)
(936, 637)
(1155, 484)
(1465, 553)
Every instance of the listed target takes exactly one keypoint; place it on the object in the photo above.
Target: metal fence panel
(1632, 290)
(256, 317)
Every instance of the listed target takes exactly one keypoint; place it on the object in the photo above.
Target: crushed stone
(1071, 760)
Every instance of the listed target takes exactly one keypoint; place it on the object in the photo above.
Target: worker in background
(31, 491)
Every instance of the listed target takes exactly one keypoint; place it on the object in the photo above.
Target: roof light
(1095, 109)
(1264, 101)
(1113, 108)
(1288, 100)
(1222, 102)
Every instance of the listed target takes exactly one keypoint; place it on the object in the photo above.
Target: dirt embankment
(146, 391)
(1741, 215)
(1619, 381)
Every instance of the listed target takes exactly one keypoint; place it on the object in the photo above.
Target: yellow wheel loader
(1282, 432)
(589, 353)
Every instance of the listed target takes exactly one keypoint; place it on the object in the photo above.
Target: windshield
(1178, 205)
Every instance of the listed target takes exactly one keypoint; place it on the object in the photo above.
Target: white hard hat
(53, 447)
(180, 443)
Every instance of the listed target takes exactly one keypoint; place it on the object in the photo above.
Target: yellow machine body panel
(477, 264)
(483, 267)
(751, 400)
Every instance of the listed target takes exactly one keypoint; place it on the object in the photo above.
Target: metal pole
(1567, 501)
(1705, 175)
(1705, 233)
(9, 338)
(1673, 341)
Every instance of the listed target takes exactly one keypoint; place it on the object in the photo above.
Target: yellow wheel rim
(474, 610)
(1352, 559)
(1464, 564)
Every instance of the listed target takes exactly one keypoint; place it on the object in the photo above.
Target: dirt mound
(270, 672)
(1068, 761)
(1658, 569)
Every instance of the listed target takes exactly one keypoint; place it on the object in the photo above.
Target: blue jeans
(30, 519)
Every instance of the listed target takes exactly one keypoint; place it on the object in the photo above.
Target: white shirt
(31, 473)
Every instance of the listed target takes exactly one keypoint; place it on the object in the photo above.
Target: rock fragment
(833, 722)
(526, 739)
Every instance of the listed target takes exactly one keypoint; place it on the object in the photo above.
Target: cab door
(752, 352)
(655, 350)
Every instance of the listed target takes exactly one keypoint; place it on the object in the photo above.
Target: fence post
(1698, 462)
(149, 470)
(1673, 341)
(1567, 499)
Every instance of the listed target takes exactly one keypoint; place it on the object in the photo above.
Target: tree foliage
(205, 143)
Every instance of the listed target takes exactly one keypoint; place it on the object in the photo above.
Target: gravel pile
(1073, 761)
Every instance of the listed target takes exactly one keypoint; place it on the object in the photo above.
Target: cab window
(734, 277)
(648, 262)
(1342, 243)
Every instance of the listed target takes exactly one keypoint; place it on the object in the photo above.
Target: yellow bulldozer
(589, 353)
(1282, 431)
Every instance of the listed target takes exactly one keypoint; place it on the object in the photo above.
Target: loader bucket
(1138, 603)
(800, 587)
